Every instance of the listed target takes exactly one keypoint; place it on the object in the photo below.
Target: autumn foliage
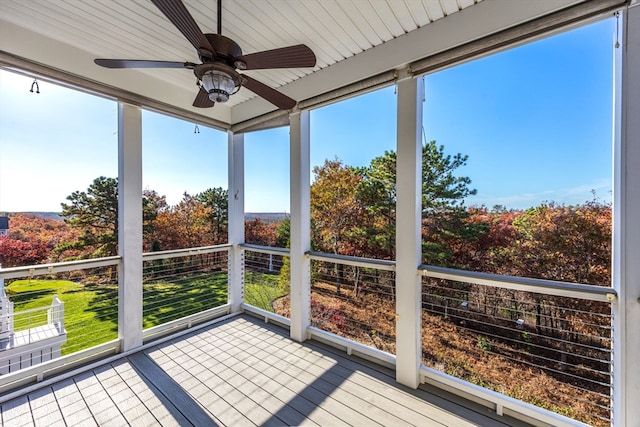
(33, 239)
(468, 330)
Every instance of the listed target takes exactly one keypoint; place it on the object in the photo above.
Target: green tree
(95, 214)
(283, 233)
(441, 189)
(217, 199)
(443, 192)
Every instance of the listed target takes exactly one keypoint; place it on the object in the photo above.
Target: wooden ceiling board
(360, 24)
(329, 32)
(314, 31)
(388, 17)
(418, 12)
(434, 10)
(405, 18)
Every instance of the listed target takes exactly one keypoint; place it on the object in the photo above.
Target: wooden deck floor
(241, 372)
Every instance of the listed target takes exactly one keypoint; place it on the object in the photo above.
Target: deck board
(241, 372)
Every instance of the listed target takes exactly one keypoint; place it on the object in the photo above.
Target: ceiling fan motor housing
(225, 48)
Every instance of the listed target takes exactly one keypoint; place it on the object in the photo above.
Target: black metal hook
(35, 83)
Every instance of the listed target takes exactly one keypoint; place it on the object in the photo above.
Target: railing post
(408, 225)
(236, 219)
(130, 225)
(300, 224)
(626, 226)
(56, 314)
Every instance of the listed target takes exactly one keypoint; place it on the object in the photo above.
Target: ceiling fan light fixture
(218, 80)
(219, 85)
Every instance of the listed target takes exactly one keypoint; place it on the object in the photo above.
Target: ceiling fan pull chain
(617, 45)
(197, 129)
(35, 83)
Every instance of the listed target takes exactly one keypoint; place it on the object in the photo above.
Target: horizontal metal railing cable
(182, 283)
(495, 300)
(354, 298)
(266, 279)
(560, 343)
(150, 256)
(60, 309)
(549, 287)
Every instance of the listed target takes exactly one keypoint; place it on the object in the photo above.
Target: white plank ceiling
(68, 34)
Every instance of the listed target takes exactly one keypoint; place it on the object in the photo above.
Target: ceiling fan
(221, 57)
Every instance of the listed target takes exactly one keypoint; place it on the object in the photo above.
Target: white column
(300, 224)
(408, 222)
(236, 220)
(626, 253)
(130, 225)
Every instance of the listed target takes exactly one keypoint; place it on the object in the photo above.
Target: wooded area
(565, 341)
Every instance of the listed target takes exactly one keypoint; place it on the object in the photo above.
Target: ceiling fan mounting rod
(219, 16)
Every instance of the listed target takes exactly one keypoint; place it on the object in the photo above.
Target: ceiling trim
(511, 37)
(281, 118)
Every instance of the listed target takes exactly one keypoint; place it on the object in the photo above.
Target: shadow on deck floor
(242, 372)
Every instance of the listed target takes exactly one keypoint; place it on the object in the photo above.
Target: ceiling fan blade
(140, 63)
(179, 16)
(202, 99)
(285, 57)
(278, 99)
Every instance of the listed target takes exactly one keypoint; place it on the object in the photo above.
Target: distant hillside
(266, 216)
(49, 215)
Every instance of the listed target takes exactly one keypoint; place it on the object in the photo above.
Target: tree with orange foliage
(185, 225)
(335, 209)
(258, 232)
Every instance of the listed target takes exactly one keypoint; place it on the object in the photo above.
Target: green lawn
(91, 311)
(166, 301)
(261, 289)
(87, 324)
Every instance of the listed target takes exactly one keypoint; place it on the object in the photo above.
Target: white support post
(300, 224)
(626, 232)
(408, 225)
(130, 225)
(236, 220)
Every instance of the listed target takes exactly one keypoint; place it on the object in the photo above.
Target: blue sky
(535, 122)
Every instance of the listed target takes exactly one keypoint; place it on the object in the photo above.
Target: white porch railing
(266, 280)
(181, 288)
(551, 341)
(84, 310)
(573, 351)
(525, 323)
(26, 322)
